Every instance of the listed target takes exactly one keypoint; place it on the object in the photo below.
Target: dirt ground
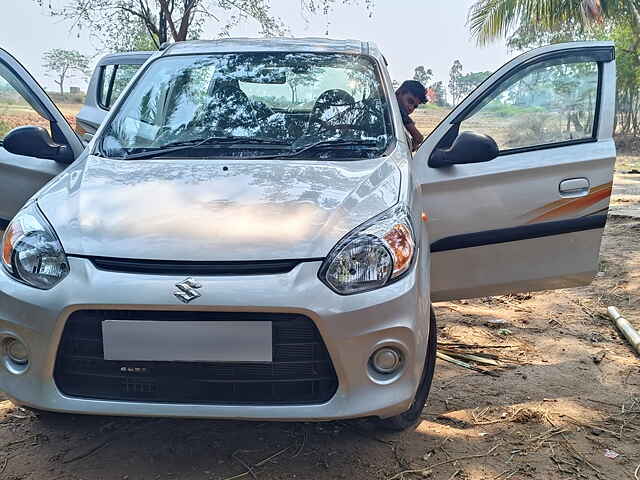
(569, 401)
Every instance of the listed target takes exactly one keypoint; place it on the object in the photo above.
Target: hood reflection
(216, 209)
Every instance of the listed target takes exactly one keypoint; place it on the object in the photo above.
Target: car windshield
(253, 105)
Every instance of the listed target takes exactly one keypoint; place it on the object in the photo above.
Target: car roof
(229, 45)
(280, 44)
(126, 58)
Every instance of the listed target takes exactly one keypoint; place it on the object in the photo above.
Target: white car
(249, 236)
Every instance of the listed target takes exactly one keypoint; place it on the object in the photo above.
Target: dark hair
(415, 88)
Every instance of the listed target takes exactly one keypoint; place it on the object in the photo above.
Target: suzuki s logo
(187, 290)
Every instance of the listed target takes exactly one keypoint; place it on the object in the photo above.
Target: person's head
(411, 94)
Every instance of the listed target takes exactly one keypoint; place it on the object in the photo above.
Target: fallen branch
(473, 357)
(235, 456)
(445, 462)
(625, 327)
(469, 345)
(259, 464)
(460, 363)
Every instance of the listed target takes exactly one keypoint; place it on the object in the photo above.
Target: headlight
(31, 251)
(371, 256)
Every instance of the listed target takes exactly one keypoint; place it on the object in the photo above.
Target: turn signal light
(400, 241)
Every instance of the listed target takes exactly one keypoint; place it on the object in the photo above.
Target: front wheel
(411, 417)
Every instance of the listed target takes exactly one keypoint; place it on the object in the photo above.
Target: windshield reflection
(285, 100)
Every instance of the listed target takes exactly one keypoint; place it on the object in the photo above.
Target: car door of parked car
(532, 218)
(109, 79)
(24, 103)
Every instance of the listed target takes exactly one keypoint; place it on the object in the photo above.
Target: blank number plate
(187, 341)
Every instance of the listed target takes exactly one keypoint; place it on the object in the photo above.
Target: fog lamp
(16, 351)
(386, 360)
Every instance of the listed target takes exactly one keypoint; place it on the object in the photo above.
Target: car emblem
(187, 290)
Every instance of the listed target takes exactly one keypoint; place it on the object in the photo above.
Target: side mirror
(36, 142)
(468, 147)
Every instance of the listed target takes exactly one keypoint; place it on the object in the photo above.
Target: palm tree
(492, 19)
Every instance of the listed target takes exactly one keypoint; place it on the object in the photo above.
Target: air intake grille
(301, 371)
(171, 267)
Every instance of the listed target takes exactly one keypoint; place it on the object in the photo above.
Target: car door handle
(574, 187)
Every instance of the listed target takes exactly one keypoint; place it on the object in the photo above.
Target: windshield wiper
(323, 144)
(215, 140)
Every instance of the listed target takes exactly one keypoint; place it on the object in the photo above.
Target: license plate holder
(187, 341)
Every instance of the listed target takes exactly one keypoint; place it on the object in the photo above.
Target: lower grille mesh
(301, 371)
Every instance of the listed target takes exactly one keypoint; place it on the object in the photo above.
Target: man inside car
(411, 94)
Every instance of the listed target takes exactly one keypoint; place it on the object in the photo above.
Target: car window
(17, 106)
(123, 75)
(289, 98)
(113, 80)
(106, 74)
(550, 102)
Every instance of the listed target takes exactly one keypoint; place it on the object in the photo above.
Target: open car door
(29, 157)
(530, 214)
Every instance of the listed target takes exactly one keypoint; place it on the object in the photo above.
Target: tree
(492, 19)
(454, 81)
(421, 75)
(65, 63)
(627, 62)
(537, 23)
(468, 82)
(439, 95)
(176, 20)
(133, 37)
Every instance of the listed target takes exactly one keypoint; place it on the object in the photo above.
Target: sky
(418, 32)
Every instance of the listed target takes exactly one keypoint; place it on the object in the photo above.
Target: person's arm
(415, 135)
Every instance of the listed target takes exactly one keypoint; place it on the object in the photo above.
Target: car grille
(171, 267)
(301, 371)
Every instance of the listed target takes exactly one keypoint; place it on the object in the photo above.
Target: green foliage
(504, 110)
(619, 30)
(493, 19)
(460, 85)
(454, 81)
(423, 76)
(123, 25)
(468, 82)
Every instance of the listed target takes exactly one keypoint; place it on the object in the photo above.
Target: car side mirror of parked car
(32, 141)
(468, 147)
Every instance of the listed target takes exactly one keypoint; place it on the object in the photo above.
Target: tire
(411, 417)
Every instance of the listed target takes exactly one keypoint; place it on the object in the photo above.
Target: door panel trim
(514, 234)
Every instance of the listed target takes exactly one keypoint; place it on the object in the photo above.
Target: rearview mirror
(32, 141)
(468, 147)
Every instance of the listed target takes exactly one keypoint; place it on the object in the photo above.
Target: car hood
(215, 210)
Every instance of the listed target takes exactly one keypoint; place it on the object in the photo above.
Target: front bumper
(352, 328)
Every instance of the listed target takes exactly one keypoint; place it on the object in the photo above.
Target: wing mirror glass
(468, 147)
(32, 141)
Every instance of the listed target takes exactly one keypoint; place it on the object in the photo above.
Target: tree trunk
(162, 27)
(61, 83)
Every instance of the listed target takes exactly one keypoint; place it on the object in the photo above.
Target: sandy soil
(572, 394)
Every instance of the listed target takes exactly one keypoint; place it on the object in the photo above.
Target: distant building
(74, 90)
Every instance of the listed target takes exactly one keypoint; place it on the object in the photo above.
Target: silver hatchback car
(249, 236)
